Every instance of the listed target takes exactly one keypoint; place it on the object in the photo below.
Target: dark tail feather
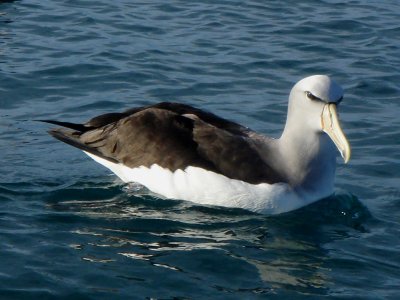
(74, 126)
(69, 138)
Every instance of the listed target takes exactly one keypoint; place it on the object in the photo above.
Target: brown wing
(173, 136)
(178, 108)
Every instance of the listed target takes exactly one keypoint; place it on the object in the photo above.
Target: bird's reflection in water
(284, 251)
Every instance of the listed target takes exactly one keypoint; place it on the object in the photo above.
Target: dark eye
(311, 96)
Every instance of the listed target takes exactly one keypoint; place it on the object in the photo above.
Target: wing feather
(173, 136)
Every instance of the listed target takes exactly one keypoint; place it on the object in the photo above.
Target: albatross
(182, 152)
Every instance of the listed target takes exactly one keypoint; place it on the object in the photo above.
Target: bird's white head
(312, 103)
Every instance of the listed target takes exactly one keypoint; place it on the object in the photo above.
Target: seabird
(181, 152)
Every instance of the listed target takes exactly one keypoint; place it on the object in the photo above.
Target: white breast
(209, 188)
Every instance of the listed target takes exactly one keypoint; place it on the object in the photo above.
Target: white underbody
(209, 188)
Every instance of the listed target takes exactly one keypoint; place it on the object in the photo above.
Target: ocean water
(71, 230)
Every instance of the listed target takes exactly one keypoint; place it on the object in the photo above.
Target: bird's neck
(309, 158)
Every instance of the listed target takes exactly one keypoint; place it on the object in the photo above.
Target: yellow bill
(331, 126)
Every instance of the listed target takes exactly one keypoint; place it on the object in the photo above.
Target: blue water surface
(71, 230)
